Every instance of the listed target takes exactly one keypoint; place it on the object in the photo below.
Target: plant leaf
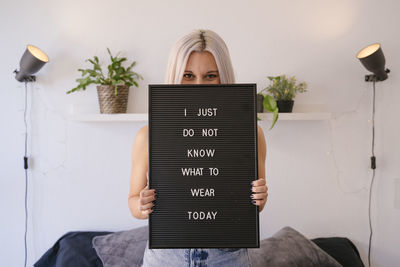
(269, 103)
(275, 118)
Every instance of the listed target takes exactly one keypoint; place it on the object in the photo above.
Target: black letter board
(202, 159)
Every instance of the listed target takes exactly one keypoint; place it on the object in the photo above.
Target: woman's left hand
(260, 192)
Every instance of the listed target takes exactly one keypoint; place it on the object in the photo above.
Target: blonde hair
(199, 40)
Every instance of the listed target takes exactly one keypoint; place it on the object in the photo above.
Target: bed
(287, 247)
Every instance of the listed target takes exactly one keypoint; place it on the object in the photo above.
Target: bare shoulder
(261, 142)
(260, 133)
(144, 131)
(140, 144)
(259, 129)
(142, 135)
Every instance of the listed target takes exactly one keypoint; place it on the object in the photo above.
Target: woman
(200, 57)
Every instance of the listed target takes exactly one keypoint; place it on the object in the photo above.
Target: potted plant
(113, 89)
(284, 90)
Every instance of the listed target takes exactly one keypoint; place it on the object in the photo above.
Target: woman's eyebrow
(206, 72)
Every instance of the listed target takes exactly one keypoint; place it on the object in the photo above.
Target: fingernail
(253, 201)
(252, 196)
(251, 183)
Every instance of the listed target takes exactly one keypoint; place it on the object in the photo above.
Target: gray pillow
(288, 248)
(123, 248)
(285, 248)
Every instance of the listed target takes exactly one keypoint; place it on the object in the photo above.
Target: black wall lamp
(31, 62)
(373, 60)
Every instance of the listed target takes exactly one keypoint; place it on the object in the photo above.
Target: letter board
(202, 159)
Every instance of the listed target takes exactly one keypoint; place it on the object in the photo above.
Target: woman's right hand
(146, 198)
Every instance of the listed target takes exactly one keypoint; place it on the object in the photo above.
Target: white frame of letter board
(254, 88)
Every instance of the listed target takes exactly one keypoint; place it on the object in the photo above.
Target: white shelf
(298, 116)
(138, 117)
(142, 117)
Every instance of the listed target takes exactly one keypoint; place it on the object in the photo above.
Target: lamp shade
(373, 60)
(31, 62)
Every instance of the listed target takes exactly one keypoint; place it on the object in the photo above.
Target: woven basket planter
(111, 103)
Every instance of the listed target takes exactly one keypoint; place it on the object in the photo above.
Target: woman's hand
(260, 192)
(146, 198)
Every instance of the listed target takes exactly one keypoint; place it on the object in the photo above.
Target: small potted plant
(284, 90)
(113, 89)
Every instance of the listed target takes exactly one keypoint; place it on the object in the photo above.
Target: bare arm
(140, 197)
(260, 188)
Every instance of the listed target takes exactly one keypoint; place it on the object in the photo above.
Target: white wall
(318, 171)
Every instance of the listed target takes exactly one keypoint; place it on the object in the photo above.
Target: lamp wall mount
(373, 77)
(26, 78)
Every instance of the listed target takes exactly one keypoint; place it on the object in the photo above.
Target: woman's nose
(199, 81)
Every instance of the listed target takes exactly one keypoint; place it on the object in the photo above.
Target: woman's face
(201, 69)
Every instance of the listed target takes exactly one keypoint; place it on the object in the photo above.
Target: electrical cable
(373, 166)
(26, 175)
(46, 105)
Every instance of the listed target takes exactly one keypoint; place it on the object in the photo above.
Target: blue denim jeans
(196, 257)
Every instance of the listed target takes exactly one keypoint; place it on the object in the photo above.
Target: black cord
(373, 166)
(26, 175)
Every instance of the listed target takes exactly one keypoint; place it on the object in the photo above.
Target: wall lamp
(373, 60)
(31, 62)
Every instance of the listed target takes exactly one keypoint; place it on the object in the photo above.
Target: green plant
(284, 88)
(117, 74)
(270, 105)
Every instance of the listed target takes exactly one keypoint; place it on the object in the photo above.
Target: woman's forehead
(201, 62)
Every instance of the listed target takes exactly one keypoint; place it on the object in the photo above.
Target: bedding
(123, 248)
(72, 249)
(341, 249)
(288, 248)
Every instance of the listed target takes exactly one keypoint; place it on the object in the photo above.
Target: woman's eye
(187, 75)
(211, 76)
